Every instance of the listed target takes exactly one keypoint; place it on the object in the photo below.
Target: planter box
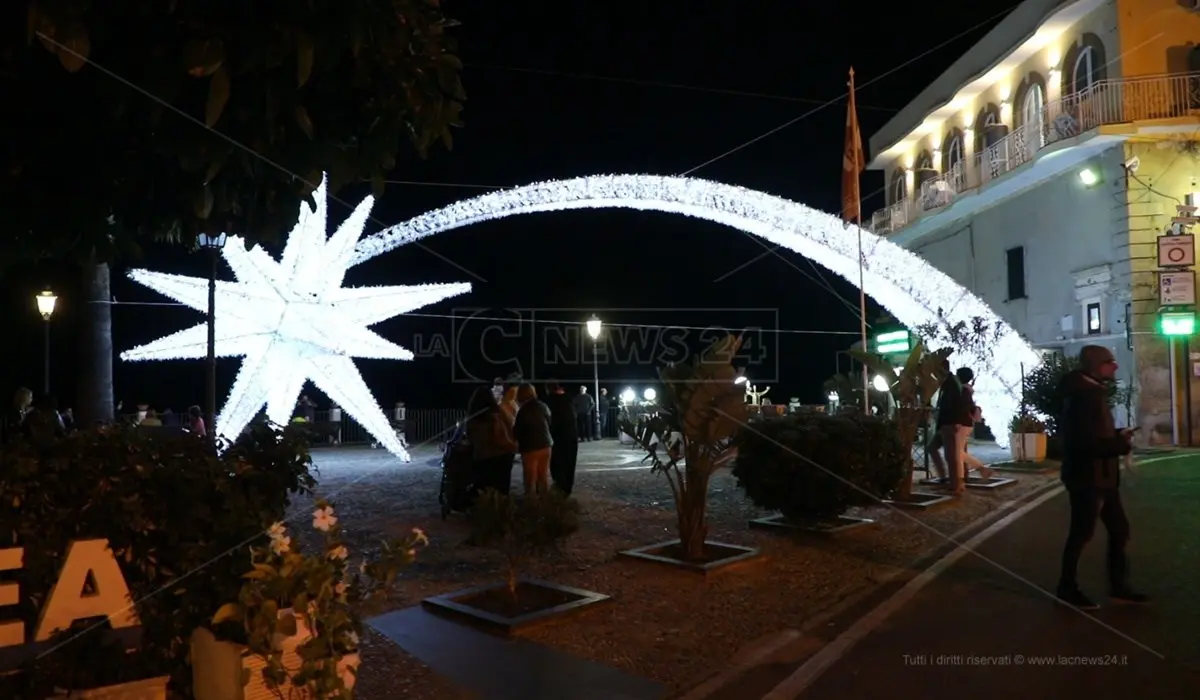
(718, 556)
(835, 526)
(920, 500)
(1046, 467)
(149, 689)
(1027, 447)
(538, 603)
(974, 482)
(218, 666)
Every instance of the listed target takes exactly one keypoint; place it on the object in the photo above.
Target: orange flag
(853, 163)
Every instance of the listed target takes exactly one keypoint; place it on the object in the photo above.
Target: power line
(667, 85)
(548, 321)
(837, 99)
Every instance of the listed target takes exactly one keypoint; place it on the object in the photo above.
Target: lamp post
(593, 328)
(45, 306)
(212, 244)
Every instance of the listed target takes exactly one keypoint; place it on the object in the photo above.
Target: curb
(816, 665)
(772, 647)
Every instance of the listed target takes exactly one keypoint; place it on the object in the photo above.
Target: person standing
(603, 405)
(584, 405)
(1091, 472)
(532, 430)
(564, 431)
(952, 411)
(492, 445)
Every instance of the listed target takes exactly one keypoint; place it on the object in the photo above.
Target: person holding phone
(1091, 472)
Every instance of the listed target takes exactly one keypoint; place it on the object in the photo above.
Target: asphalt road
(987, 628)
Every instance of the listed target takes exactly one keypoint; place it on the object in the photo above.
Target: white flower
(339, 552)
(278, 531)
(419, 536)
(281, 545)
(323, 519)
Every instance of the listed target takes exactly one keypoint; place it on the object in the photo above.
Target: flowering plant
(287, 589)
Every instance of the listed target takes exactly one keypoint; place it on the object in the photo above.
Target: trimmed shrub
(812, 466)
(178, 517)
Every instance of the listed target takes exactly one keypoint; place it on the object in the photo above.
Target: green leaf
(304, 57)
(228, 611)
(75, 47)
(218, 96)
(286, 625)
(303, 121)
(203, 58)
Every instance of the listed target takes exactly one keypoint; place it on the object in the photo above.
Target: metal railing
(1105, 102)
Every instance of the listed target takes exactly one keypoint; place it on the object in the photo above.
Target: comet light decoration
(905, 284)
(292, 321)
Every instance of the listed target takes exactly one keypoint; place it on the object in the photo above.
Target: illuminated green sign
(892, 342)
(1176, 323)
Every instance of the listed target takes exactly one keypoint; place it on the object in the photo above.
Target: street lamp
(213, 245)
(650, 394)
(45, 306)
(880, 384)
(593, 328)
(628, 396)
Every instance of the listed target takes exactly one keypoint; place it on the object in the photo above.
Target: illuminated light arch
(902, 282)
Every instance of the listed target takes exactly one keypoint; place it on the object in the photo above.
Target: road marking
(803, 677)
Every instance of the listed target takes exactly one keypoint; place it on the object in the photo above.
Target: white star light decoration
(902, 282)
(292, 321)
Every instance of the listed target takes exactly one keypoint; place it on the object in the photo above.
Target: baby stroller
(457, 474)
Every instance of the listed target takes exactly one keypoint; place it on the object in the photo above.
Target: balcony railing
(1105, 102)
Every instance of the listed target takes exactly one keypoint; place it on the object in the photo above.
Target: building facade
(1039, 170)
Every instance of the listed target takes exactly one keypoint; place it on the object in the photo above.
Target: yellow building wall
(1155, 36)
(1164, 174)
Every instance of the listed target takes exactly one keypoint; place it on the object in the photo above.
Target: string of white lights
(915, 292)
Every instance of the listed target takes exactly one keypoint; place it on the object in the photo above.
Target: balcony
(1107, 102)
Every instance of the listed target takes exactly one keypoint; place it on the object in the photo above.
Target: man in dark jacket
(1092, 448)
(564, 431)
(954, 412)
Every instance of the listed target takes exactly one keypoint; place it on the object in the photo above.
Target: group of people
(955, 417)
(506, 420)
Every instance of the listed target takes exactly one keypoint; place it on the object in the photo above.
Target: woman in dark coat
(493, 447)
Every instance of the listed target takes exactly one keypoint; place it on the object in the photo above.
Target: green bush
(178, 517)
(807, 465)
(1042, 392)
(521, 527)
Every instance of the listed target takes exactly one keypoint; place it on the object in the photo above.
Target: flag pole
(862, 292)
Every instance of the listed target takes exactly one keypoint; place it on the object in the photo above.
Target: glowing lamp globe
(650, 394)
(880, 383)
(628, 396)
(833, 397)
(593, 327)
(45, 304)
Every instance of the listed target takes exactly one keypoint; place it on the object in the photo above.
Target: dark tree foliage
(135, 120)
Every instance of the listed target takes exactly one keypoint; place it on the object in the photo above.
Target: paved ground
(989, 630)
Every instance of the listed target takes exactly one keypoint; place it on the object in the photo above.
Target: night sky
(558, 90)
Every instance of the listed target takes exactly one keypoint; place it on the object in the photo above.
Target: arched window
(1031, 117)
(988, 116)
(953, 150)
(1084, 66)
(899, 188)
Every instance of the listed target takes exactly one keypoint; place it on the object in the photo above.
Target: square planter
(1046, 467)
(719, 556)
(834, 526)
(149, 689)
(974, 482)
(538, 602)
(920, 500)
(1027, 447)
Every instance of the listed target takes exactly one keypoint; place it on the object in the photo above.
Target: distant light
(833, 396)
(1088, 177)
(628, 395)
(649, 394)
(880, 383)
(45, 304)
(741, 379)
